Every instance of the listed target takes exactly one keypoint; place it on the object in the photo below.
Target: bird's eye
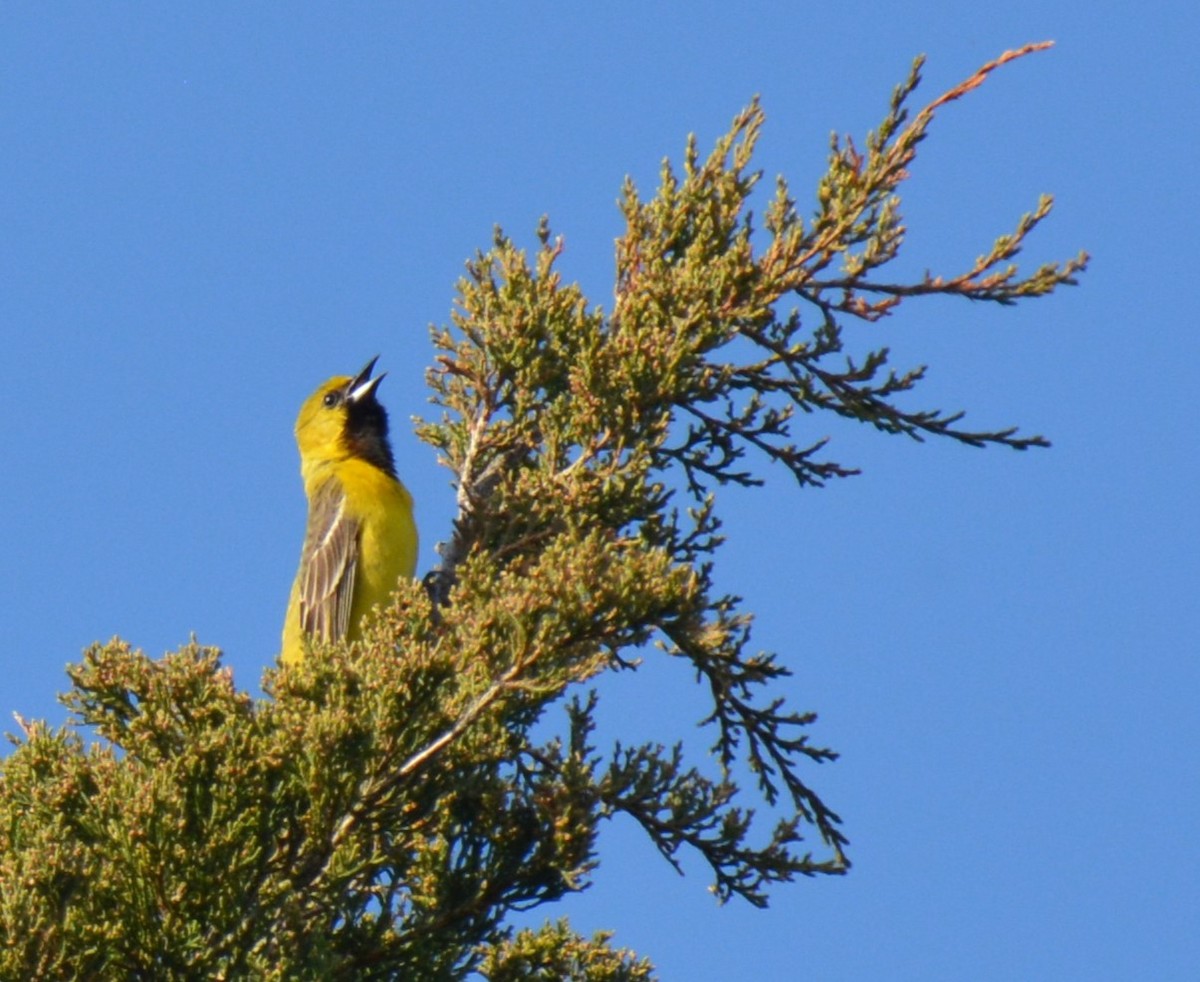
(331, 399)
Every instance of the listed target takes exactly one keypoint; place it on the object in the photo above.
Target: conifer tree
(389, 805)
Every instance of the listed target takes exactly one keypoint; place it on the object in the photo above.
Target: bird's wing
(328, 567)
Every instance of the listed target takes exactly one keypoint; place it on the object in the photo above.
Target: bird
(361, 537)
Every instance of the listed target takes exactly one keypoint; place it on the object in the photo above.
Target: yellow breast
(387, 537)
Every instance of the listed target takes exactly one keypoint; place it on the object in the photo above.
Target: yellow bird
(361, 537)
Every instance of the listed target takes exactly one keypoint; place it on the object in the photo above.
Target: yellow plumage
(361, 538)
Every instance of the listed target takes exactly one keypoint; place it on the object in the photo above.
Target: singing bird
(361, 537)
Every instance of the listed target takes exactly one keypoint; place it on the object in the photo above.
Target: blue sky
(206, 211)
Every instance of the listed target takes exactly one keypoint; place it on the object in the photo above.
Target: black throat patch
(366, 434)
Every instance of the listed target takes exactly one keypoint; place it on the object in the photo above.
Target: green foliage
(389, 806)
(556, 954)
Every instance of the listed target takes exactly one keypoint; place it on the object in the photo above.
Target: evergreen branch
(386, 809)
(678, 807)
(773, 749)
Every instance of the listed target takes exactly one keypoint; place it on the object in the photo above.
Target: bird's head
(344, 419)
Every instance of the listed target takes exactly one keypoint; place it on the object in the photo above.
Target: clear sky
(207, 209)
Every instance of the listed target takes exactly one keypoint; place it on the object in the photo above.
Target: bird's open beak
(362, 386)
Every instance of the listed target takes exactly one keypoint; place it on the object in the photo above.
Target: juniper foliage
(388, 807)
